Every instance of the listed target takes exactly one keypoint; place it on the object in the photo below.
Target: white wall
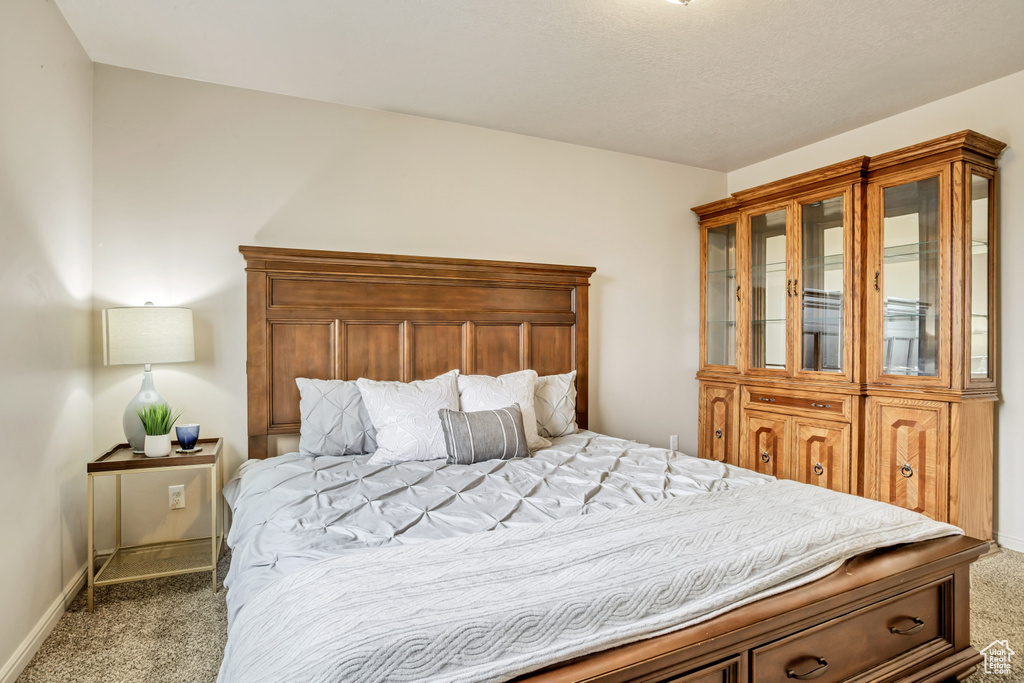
(45, 292)
(187, 171)
(995, 109)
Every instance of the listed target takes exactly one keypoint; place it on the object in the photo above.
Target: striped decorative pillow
(483, 435)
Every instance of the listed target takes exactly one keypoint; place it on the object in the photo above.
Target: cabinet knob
(818, 469)
(765, 457)
(718, 433)
(907, 470)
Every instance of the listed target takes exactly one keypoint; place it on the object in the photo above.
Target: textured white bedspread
(490, 606)
(293, 510)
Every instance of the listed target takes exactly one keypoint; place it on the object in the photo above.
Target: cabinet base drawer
(827, 406)
(875, 643)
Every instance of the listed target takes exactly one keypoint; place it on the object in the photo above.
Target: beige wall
(995, 109)
(187, 171)
(45, 292)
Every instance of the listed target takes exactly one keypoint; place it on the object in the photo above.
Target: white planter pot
(158, 446)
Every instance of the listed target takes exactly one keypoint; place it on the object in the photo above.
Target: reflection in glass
(910, 279)
(979, 276)
(721, 299)
(768, 290)
(821, 286)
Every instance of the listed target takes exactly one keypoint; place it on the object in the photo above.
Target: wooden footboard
(900, 614)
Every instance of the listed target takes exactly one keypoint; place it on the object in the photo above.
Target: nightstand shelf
(153, 560)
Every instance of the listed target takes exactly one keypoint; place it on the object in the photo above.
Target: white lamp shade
(142, 335)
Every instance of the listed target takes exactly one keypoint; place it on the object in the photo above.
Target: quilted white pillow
(483, 392)
(405, 416)
(555, 404)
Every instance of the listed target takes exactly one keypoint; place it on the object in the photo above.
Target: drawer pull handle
(821, 405)
(789, 288)
(818, 469)
(718, 433)
(918, 625)
(766, 400)
(765, 457)
(907, 471)
(877, 289)
(813, 673)
(737, 293)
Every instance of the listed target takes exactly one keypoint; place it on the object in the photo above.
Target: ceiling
(718, 84)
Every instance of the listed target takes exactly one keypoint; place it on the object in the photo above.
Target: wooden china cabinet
(849, 327)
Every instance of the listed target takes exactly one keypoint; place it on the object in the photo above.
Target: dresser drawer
(732, 670)
(902, 631)
(830, 406)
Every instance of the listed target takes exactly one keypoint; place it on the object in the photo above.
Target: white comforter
(292, 511)
(490, 606)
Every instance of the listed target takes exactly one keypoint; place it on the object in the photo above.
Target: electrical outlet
(673, 442)
(176, 495)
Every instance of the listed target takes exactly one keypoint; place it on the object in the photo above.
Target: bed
(593, 526)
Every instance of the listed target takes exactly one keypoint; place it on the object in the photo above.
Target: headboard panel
(339, 315)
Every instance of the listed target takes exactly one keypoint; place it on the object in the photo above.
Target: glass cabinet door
(720, 303)
(980, 257)
(910, 285)
(821, 285)
(769, 290)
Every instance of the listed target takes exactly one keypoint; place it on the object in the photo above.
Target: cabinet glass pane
(980, 192)
(721, 292)
(821, 286)
(768, 290)
(910, 279)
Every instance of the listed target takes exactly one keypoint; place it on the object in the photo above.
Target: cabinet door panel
(770, 290)
(821, 454)
(764, 444)
(908, 288)
(719, 289)
(823, 308)
(910, 449)
(718, 431)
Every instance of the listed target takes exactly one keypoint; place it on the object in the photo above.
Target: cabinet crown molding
(964, 144)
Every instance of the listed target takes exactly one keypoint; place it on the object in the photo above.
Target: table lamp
(144, 335)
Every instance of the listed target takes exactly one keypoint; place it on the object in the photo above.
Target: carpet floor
(173, 630)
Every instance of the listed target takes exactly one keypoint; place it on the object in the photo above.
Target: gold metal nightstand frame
(152, 560)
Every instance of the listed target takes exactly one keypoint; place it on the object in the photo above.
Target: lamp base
(134, 432)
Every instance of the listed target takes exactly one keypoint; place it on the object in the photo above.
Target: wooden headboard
(338, 315)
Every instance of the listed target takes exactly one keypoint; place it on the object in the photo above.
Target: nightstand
(151, 560)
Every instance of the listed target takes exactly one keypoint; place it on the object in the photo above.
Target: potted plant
(157, 420)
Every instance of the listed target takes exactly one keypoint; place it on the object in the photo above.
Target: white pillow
(483, 392)
(555, 404)
(406, 419)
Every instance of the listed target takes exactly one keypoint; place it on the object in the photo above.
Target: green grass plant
(157, 419)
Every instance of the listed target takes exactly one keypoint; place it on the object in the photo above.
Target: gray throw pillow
(333, 417)
(483, 435)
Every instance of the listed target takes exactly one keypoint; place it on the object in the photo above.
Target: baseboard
(1010, 542)
(13, 667)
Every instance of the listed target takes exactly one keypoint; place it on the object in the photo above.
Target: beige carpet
(173, 629)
